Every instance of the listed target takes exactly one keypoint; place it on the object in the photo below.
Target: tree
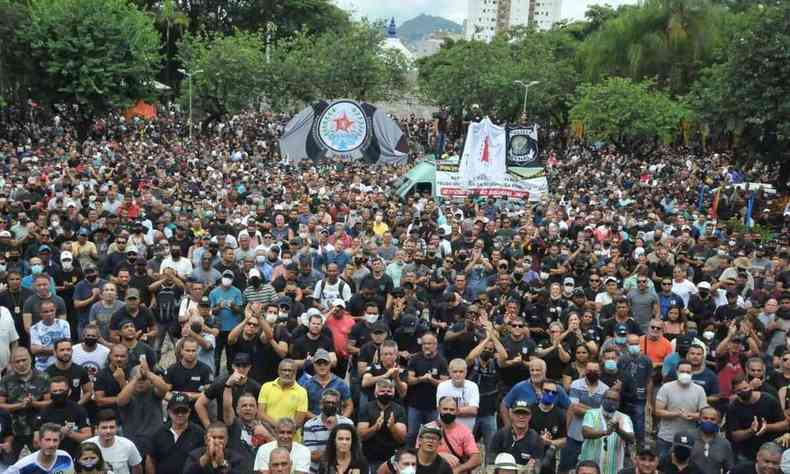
(14, 52)
(225, 72)
(100, 55)
(633, 116)
(174, 21)
(748, 92)
(669, 40)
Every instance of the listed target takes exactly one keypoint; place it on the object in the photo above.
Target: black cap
(378, 327)
(178, 400)
(521, 405)
(684, 439)
(621, 330)
(648, 448)
(242, 358)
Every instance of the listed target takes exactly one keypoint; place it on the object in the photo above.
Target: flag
(484, 152)
(749, 209)
(522, 146)
(344, 128)
(714, 207)
(701, 197)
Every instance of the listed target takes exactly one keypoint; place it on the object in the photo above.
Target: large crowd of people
(169, 306)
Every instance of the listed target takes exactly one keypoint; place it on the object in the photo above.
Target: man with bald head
(531, 390)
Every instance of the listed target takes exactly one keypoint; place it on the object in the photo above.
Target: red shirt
(340, 329)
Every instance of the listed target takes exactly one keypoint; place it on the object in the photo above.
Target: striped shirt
(264, 294)
(316, 436)
(608, 451)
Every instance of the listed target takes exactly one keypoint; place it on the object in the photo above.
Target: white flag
(484, 155)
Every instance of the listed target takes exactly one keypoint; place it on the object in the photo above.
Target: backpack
(340, 289)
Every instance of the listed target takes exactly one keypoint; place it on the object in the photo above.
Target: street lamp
(189, 77)
(526, 87)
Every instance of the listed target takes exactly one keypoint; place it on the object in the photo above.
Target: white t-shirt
(684, 289)
(300, 457)
(466, 396)
(8, 335)
(92, 361)
(122, 454)
(45, 335)
(331, 292)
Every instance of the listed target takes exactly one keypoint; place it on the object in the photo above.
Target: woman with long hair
(89, 460)
(343, 453)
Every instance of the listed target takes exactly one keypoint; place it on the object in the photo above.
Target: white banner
(484, 157)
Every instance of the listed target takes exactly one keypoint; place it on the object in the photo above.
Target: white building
(486, 18)
(393, 42)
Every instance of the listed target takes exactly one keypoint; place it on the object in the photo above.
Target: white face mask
(271, 318)
(684, 379)
(371, 318)
(408, 470)
(709, 335)
(67, 265)
(226, 282)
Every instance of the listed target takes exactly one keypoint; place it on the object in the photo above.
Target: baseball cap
(124, 322)
(178, 400)
(522, 406)
(430, 429)
(89, 268)
(242, 358)
(44, 248)
(621, 330)
(703, 285)
(339, 302)
(132, 293)
(5, 234)
(66, 255)
(321, 354)
(254, 272)
(505, 461)
(647, 448)
(569, 281)
(378, 327)
(578, 291)
(228, 274)
(683, 438)
(84, 231)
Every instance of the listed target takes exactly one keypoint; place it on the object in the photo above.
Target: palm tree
(170, 17)
(669, 40)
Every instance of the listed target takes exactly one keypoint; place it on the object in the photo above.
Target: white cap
(254, 273)
(569, 281)
(339, 302)
(703, 285)
(66, 255)
(505, 461)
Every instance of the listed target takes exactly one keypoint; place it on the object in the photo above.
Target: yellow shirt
(380, 228)
(281, 402)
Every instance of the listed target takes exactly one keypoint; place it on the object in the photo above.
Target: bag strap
(450, 446)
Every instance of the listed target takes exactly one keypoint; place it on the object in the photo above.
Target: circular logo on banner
(343, 127)
(522, 149)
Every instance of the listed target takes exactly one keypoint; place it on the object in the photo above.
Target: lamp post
(271, 28)
(526, 87)
(189, 78)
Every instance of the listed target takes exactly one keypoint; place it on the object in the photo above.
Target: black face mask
(91, 278)
(681, 453)
(255, 281)
(592, 377)
(447, 418)
(384, 398)
(90, 341)
(175, 254)
(59, 398)
(745, 396)
(329, 410)
(486, 355)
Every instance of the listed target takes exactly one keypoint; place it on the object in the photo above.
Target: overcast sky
(454, 10)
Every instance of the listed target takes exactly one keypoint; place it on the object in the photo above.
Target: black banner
(522, 146)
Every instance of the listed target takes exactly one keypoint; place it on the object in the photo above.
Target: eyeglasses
(657, 328)
(594, 279)
(642, 281)
(517, 325)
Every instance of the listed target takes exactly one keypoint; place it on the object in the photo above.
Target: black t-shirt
(554, 366)
(170, 455)
(376, 370)
(184, 379)
(384, 285)
(610, 324)
(745, 468)
(740, 417)
(462, 345)
(526, 348)
(70, 412)
(666, 466)
(381, 445)
(142, 282)
(529, 447)
(552, 421)
(438, 466)
(305, 346)
(77, 377)
(260, 354)
(369, 353)
(216, 389)
(360, 334)
(142, 321)
(423, 395)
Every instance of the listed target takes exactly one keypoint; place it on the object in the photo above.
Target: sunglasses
(657, 328)
(517, 325)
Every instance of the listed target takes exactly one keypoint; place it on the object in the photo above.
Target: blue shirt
(525, 391)
(226, 318)
(315, 389)
(27, 282)
(29, 464)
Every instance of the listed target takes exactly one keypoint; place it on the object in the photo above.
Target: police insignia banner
(522, 146)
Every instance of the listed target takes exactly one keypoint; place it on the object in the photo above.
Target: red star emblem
(485, 158)
(343, 123)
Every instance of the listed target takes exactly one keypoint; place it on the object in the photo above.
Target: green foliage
(467, 72)
(225, 71)
(633, 116)
(98, 54)
(15, 63)
(748, 92)
(669, 40)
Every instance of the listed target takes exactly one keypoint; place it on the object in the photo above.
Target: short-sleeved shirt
(611, 459)
(45, 335)
(531, 446)
(283, 402)
(300, 457)
(677, 397)
(120, 455)
(381, 445)
(170, 455)
(636, 372)
(76, 375)
(216, 390)
(227, 318)
(423, 395)
(459, 437)
(526, 391)
(70, 412)
(526, 348)
(467, 395)
(102, 315)
(29, 464)
(15, 389)
(33, 306)
(741, 415)
(316, 434)
(581, 393)
(315, 389)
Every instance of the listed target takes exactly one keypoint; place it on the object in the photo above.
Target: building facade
(486, 18)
